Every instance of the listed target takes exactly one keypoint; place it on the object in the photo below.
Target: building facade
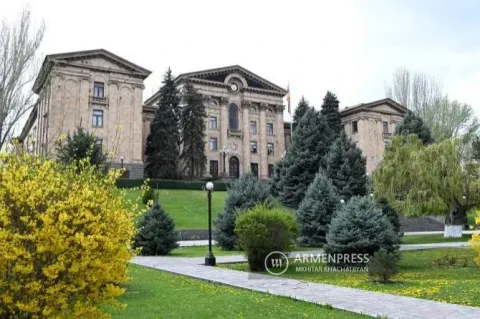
(244, 124)
(371, 125)
(96, 90)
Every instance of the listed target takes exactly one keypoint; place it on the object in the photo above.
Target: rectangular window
(270, 170)
(99, 143)
(97, 118)
(270, 148)
(98, 89)
(385, 127)
(354, 127)
(213, 123)
(253, 127)
(254, 169)
(213, 143)
(214, 168)
(269, 128)
(253, 147)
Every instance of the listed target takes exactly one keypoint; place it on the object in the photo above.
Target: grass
(152, 293)
(432, 239)
(418, 277)
(188, 208)
(201, 251)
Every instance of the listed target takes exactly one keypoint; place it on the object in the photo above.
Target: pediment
(386, 108)
(381, 106)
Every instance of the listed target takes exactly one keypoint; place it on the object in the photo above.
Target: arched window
(233, 116)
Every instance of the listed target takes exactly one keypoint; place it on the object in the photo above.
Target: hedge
(171, 184)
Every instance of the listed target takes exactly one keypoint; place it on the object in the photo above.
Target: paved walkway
(350, 299)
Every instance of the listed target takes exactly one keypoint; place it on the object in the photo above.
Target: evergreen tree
(330, 111)
(193, 132)
(162, 149)
(275, 185)
(391, 214)
(316, 211)
(345, 166)
(302, 161)
(413, 124)
(301, 109)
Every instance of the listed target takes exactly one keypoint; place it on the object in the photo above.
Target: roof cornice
(365, 107)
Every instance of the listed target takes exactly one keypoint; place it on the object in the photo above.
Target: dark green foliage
(383, 265)
(244, 194)
(79, 146)
(157, 232)
(275, 181)
(303, 159)
(171, 184)
(162, 149)
(359, 227)
(391, 214)
(476, 148)
(413, 124)
(193, 132)
(330, 112)
(316, 211)
(345, 166)
(300, 111)
(148, 194)
(262, 230)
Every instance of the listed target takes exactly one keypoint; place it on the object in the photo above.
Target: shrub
(156, 235)
(451, 261)
(391, 214)
(64, 239)
(360, 227)
(148, 195)
(316, 211)
(262, 230)
(476, 239)
(245, 193)
(383, 265)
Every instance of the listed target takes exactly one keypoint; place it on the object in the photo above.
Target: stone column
(223, 132)
(280, 134)
(262, 144)
(246, 137)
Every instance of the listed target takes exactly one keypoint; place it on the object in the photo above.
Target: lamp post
(224, 151)
(210, 259)
(121, 160)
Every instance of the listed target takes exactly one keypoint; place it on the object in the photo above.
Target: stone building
(245, 127)
(97, 90)
(370, 127)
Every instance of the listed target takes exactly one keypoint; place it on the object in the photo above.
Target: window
(354, 127)
(98, 89)
(253, 147)
(97, 118)
(214, 168)
(99, 143)
(343, 127)
(269, 128)
(233, 117)
(253, 127)
(270, 170)
(254, 169)
(213, 123)
(270, 148)
(385, 127)
(213, 143)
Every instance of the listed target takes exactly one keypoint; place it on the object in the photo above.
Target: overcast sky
(348, 47)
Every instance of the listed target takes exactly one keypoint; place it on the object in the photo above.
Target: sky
(348, 47)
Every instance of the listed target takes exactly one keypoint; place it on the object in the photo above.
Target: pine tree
(193, 132)
(345, 166)
(162, 149)
(391, 214)
(301, 109)
(275, 181)
(302, 161)
(330, 111)
(413, 124)
(316, 211)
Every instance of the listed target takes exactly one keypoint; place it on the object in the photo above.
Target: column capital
(223, 100)
(263, 106)
(246, 104)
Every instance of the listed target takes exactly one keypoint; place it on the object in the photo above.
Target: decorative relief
(223, 100)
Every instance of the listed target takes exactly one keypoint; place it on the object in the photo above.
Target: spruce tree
(316, 211)
(162, 149)
(413, 124)
(193, 132)
(330, 111)
(391, 214)
(302, 161)
(345, 166)
(300, 111)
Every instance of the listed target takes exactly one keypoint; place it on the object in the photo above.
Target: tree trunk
(454, 223)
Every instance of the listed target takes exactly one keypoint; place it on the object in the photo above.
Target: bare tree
(19, 43)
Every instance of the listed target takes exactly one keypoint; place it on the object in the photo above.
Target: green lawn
(419, 277)
(188, 208)
(155, 294)
(201, 251)
(432, 239)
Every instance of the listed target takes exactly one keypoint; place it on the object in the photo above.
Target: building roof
(367, 106)
(50, 60)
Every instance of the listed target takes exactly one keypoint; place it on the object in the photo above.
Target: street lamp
(210, 259)
(342, 201)
(224, 151)
(121, 160)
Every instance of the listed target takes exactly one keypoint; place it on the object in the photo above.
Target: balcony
(98, 100)
(234, 133)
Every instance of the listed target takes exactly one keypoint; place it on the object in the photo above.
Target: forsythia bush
(64, 239)
(476, 239)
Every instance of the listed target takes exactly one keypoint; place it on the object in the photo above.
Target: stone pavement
(350, 299)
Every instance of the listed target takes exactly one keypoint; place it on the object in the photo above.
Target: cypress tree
(413, 124)
(330, 111)
(162, 149)
(193, 132)
(300, 111)
(345, 166)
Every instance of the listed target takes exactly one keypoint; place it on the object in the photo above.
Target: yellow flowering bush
(476, 239)
(64, 239)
